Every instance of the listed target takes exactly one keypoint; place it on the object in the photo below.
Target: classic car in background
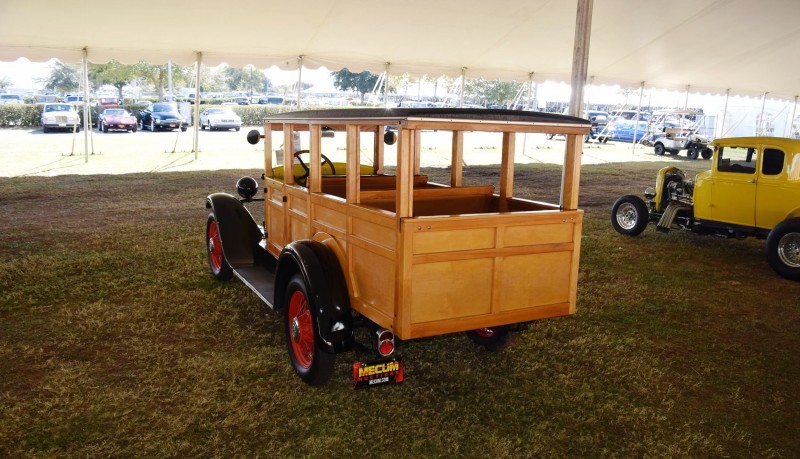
(60, 116)
(220, 118)
(116, 119)
(162, 116)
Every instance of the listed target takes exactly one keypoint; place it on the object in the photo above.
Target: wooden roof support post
(571, 178)
(377, 160)
(353, 164)
(457, 162)
(288, 155)
(416, 150)
(404, 205)
(315, 163)
(268, 150)
(507, 170)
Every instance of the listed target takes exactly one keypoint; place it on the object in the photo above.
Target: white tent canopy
(748, 46)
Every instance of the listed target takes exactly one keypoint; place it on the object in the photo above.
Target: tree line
(65, 78)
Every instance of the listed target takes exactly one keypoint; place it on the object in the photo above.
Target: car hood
(119, 119)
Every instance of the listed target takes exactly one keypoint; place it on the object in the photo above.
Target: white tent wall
(711, 45)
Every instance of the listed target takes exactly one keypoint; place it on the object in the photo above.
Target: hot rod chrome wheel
(783, 248)
(309, 360)
(629, 215)
(789, 250)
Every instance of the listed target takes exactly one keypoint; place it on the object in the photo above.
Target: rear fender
(329, 297)
(238, 230)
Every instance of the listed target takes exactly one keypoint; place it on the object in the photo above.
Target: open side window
(739, 160)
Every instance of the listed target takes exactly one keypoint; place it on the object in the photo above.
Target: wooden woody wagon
(345, 244)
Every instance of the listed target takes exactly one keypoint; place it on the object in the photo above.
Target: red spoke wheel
(310, 361)
(493, 339)
(216, 258)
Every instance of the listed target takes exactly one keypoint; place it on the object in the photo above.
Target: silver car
(220, 118)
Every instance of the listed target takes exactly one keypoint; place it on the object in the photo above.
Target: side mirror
(253, 137)
(390, 137)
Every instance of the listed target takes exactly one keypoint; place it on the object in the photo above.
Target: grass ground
(116, 341)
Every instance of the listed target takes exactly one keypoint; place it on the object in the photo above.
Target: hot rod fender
(328, 293)
(238, 231)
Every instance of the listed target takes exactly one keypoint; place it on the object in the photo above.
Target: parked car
(241, 100)
(624, 130)
(60, 116)
(9, 99)
(73, 99)
(219, 118)
(162, 115)
(752, 190)
(271, 100)
(116, 119)
(346, 246)
(108, 101)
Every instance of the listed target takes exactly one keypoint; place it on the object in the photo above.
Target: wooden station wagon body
(417, 258)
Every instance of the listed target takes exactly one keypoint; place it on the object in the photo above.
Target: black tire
(493, 339)
(659, 149)
(311, 363)
(45, 130)
(133, 129)
(183, 128)
(209, 126)
(216, 257)
(105, 129)
(783, 248)
(629, 215)
(236, 129)
(693, 153)
(706, 153)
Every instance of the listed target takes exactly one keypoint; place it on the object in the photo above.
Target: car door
(733, 193)
(773, 196)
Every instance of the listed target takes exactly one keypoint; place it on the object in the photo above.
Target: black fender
(238, 230)
(330, 299)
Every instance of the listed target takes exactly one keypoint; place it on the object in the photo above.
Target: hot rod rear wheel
(310, 362)
(493, 339)
(783, 248)
(216, 258)
(629, 215)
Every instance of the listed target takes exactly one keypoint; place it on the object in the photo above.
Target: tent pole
(571, 171)
(791, 120)
(589, 96)
(196, 124)
(761, 123)
(299, 79)
(530, 91)
(463, 81)
(580, 55)
(686, 101)
(638, 117)
(169, 81)
(386, 87)
(724, 113)
(87, 121)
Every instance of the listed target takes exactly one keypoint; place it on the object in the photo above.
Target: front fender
(238, 230)
(329, 298)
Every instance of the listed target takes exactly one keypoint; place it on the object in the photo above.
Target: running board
(669, 215)
(260, 280)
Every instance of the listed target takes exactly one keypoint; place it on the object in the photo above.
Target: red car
(117, 119)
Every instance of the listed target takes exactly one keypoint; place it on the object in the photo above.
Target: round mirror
(247, 187)
(390, 138)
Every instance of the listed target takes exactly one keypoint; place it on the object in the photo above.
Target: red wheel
(310, 362)
(301, 330)
(216, 258)
(492, 339)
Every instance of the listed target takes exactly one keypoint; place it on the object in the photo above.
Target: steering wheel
(303, 178)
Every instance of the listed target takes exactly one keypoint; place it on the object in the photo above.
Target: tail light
(385, 342)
